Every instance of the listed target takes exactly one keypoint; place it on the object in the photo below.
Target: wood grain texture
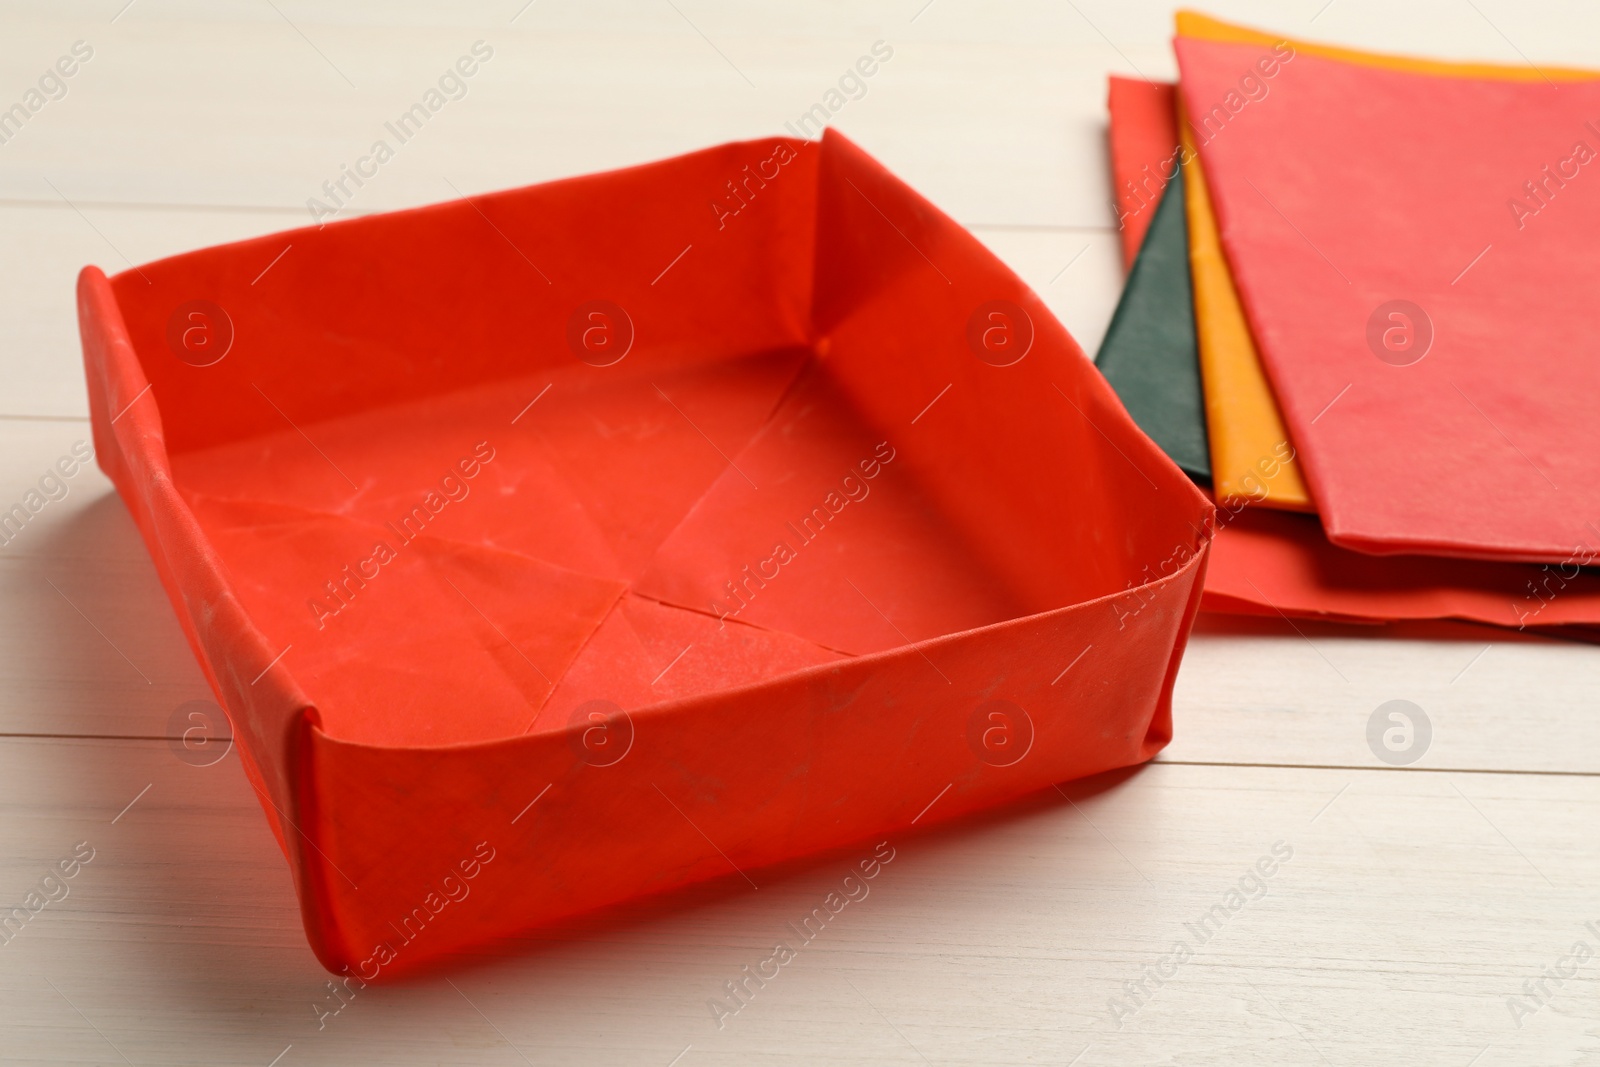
(1409, 907)
(1417, 901)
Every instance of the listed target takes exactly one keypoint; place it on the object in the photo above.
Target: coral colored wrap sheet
(1413, 245)
(582, 541)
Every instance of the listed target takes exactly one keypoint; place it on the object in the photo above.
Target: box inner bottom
(485, 563)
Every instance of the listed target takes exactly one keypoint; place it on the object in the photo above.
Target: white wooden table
(1417, 903)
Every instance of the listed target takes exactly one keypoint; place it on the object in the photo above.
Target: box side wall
(706, 260)
(264, 707)
(1062, 497)
(861, 751)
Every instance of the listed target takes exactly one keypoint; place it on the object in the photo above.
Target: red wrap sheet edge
(1144, 135)
(308, 781)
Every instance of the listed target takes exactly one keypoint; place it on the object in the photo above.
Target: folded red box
(557, 546)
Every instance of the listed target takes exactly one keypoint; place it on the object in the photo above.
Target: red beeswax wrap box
(557, 546)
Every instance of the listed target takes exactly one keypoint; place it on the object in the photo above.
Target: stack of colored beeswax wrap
(1401, 361)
